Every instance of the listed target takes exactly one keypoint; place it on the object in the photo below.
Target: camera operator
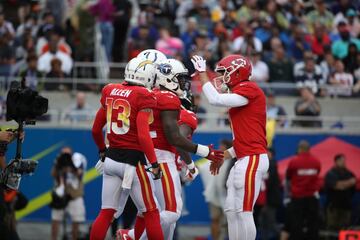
(7, 199)
(68, 194)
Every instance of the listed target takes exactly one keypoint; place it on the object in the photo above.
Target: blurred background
(305, 56)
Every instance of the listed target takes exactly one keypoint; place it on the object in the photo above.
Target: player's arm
(145, 141)
(185, 131)
(172, 134)
(222, 99)
(97, 129)
(214, 97)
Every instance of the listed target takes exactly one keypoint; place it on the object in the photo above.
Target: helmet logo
(165, 68)
(239, 62)
(147, 56)
(143, 64)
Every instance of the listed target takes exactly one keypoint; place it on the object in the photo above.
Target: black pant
(303, 219)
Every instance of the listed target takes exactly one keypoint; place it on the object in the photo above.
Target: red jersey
(122, 103)
(303, 172)
(165, 101)
(249, 122)
(189, 118)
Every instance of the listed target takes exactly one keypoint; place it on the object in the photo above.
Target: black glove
(102, 154)
(155, 170)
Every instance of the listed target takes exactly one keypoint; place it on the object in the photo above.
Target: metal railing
(215, 122)
(285, 89)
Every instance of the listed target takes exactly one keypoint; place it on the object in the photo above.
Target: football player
(126, 109)
(164, 130)
(248, 118)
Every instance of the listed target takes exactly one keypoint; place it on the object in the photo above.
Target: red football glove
(215, 155)
(209, 152)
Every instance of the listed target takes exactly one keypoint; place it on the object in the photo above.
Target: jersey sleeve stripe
(146, 190)
(168, 188)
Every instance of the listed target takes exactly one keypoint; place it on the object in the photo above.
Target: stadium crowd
(310, 43)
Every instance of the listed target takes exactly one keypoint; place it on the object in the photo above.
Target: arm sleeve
(223, 100)
(144, 135)
(97, 133)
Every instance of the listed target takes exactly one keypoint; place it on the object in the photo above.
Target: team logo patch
(143, 64)
(165, 68)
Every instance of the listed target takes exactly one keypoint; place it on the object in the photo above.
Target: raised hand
(199, 63)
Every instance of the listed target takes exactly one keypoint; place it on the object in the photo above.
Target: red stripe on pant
(146, 190)
(250, 183)
(168, 188)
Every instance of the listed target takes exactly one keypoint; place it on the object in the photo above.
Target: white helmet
(141, 72)
(172, 75)
(151, 54)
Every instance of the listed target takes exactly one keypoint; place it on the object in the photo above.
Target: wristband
(202, 150)
(232, 152)
(191, 165)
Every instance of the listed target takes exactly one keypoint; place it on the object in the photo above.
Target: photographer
(68, 193)
(7, 198)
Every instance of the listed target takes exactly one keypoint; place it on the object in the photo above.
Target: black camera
(11, 175)
(23, 103)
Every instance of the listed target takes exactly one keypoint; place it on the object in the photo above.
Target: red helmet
(235, 68)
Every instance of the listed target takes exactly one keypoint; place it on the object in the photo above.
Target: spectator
(273, 12)
(275, 111)
(340, 47)
(309, 75)
(281, 68)
(272, 201)
(215, 193)
(327, 66)
(244, 45)
(319, 40)
(307, 106)
(54, 52)
(189, 8)
(62, 45)
(80, 111)
(122, 16)
(247, 11)
(303, 174)
(6, 27)
(143, 41)
(56, 77)
(350, 61)
(204, 20)
(340, 188)
(354, 23)
(321, 15)
(356, 88)
(104, 10)
(7, 56)
(68, 171)
(31, 75)
(342, 82)
(27, 45)
(167, 44)
(298, 44)
(189, 35)
(260, 70)
(29, 23)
